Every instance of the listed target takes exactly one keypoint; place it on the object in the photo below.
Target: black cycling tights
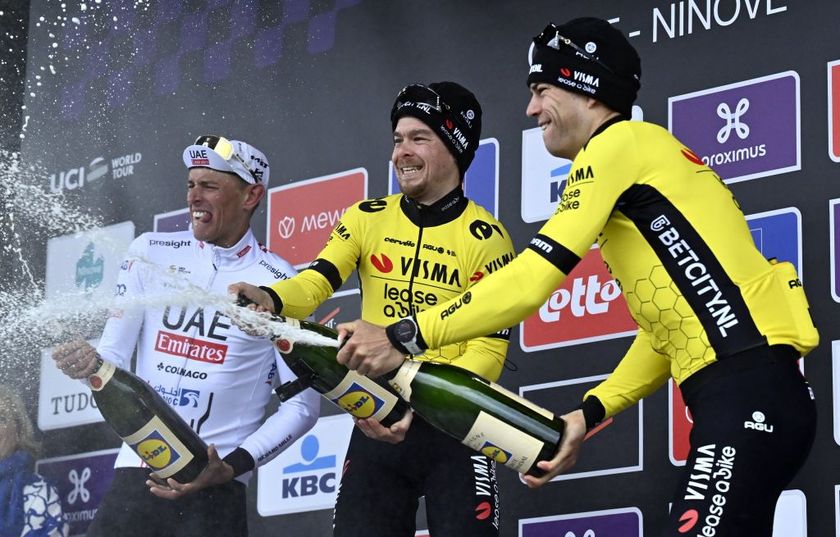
(753, 429)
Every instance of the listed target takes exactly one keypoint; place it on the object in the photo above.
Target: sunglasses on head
(418, 94)
(224, 148)
(421, 96)
(550, 37)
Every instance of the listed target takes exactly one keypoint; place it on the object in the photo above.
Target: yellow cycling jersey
(674, 238)
(410, 257)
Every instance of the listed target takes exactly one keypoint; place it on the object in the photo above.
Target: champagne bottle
(480, 414)
(316, 366)
(149, 426)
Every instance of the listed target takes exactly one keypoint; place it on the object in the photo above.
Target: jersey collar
(444, 210)
(241, 254)
(612, 121)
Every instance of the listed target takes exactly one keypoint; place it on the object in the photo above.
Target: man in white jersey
(217, 377)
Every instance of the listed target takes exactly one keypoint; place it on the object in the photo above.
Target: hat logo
(565, 72)
(448, 123)
(590, 47)
(470, 115)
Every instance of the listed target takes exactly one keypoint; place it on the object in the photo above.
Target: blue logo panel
(777, 234)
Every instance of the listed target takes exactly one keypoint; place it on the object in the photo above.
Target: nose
(402, 149)
(192, 195)
(533, 108)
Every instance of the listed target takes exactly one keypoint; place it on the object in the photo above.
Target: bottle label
(159, 448)
(100, 378)
(362, 397)
(405, 375)
(521, 400)
(503, 443)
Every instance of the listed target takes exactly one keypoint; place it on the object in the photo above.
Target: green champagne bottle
(480, 414)
(316, 366)
(145, 422)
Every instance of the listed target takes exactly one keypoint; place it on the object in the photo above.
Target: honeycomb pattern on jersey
(446, 354)
(659, 308)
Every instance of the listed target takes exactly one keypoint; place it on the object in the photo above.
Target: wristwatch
(403, 335)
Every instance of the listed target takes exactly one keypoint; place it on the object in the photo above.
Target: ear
(253, 196)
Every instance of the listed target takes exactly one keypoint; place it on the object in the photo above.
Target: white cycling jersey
(218, 378)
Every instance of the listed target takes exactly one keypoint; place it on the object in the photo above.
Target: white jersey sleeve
(290, 422)
(122, 330)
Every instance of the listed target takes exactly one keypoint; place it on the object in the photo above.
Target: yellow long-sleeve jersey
(409, 258)
(674, 238)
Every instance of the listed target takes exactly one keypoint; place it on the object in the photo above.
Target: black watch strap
(405, 336)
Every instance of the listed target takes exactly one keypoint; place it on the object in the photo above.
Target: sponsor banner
(834, 245)
(82, 481)
(744, 130)
(600, 456)
(623, 522)
(172, 221)
(835, 387)
(834, 110)
(86, 264)
(777, 234)
(680, 420)
(588, 307)
(62, 401)
(305, 477)
(301, 215)
(481, 182)
(837, 510)
(791, 516)
(99, 171)
(543, 177)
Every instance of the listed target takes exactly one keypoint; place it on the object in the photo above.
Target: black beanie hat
(452, 112)
(587, 56)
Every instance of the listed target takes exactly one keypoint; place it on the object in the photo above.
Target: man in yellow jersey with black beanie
(413, 250)
(727, 324)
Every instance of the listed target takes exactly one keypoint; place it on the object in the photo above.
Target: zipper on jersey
(421, 211)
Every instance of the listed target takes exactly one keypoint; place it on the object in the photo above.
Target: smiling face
(426, 170)
(220, 205)
(564, 117)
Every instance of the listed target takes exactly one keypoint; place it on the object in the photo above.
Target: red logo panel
(190, 348)
(834, 110)
(681, 423)
(587, 307)
(302, 215)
